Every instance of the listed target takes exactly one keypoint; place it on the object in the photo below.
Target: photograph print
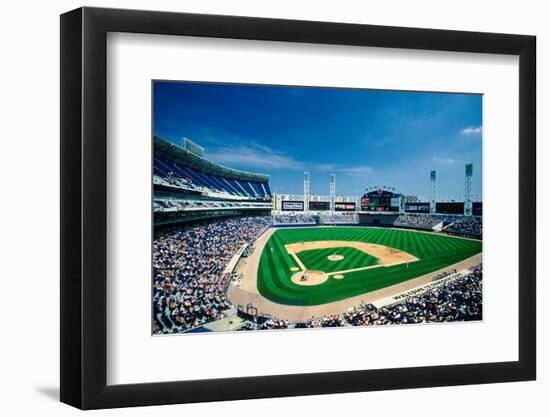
(302, 207)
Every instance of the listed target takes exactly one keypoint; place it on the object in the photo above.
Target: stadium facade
(188, 187)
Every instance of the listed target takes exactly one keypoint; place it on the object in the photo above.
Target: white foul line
(300, 264)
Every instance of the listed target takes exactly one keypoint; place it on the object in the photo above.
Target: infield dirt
(386, 256)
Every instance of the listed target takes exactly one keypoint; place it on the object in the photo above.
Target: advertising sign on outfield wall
(292, 205)
(477, 208)
(417, 207)
(449, 208)
(319, 205)
(344, 206)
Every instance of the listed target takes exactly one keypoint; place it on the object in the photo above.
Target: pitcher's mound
(309, 277)
(294, 268)
(338, 276)
(335, 257)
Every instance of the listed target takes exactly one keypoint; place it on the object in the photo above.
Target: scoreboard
(319, 205)
(449, 208)
(380, 200)
(344, 206)
(477, 208)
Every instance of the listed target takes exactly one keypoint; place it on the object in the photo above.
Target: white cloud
(359, 171)
(326, 167)
(258, 156)
(471, 130)
(353, 171)
(445, 161)
(254, 155)
(211, 140)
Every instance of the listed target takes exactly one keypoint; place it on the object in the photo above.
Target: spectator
(188, 262)
(346, 218)
(466, 226)
(292, 218)
(418, 221)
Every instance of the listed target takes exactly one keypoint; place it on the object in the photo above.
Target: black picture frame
(84, 207)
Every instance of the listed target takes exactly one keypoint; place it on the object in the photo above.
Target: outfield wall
(377, 219)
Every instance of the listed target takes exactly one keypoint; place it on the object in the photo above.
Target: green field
(353, 258)
(434, 252)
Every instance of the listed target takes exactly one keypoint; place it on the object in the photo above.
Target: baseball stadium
(231, 254)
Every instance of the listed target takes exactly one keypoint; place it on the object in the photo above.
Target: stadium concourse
(207, 217)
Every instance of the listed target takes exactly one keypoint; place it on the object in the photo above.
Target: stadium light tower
(469, 171)
(306, 191)
(434, 191)
(332, 191)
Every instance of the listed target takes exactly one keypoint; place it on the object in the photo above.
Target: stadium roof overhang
(175, 153)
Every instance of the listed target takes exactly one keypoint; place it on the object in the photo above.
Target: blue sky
(365, 137)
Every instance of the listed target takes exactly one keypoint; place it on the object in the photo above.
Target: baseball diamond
(432, 253)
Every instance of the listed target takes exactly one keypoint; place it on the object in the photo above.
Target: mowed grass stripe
(435, 252)
(288, 259)
(314, 257)
(274, 279)
(353, 258)
(358, 259)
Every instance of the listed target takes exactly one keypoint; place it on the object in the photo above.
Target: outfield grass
(434, 252)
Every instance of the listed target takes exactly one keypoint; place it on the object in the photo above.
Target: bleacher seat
(181, 175)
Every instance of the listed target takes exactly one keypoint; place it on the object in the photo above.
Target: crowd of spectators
(463, 225)
(160, 204)
(333, 320)
(455, 300)
(468, 226)
(418, 221)
(291, 218)
(273, 324)
(189, 260)
(268, 324)
(339, 218)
